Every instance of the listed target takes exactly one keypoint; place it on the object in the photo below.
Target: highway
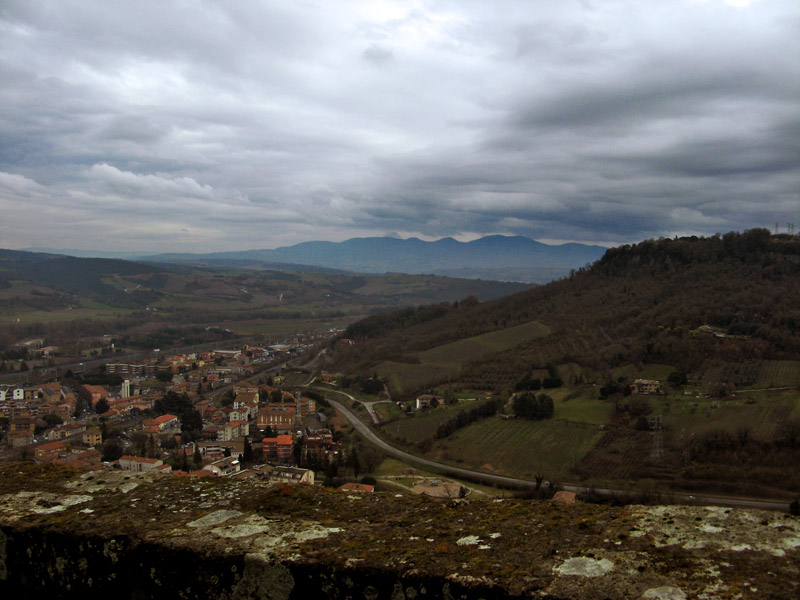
(505, 481)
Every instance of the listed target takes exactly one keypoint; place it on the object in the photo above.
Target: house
(278, 449)
(428, 401)
(92, 437)
(84, 458)
(238, 414)
(138, 463)
(163, 422)
(280, 416)
(214, 450)
(64, 431)
(291, 475)
(232, 430)
(357, 487)
(95, 393)
(18, 439)
(22, 424)
(565, 497)
(245, 391)
(646, 386)
(224, 467)
(49, 452)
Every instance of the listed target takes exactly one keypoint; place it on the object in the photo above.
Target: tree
(677, 378)
(353, 461)
(191, 425)
(638, 406)
(102, 406)
(52, 420)
(530, 406)
(164, 376)
(297, 451)
(197, 458)
(139, 442)
(112, 450)
(173, 404)
(23, 366)
(794, 507)
(247, 455)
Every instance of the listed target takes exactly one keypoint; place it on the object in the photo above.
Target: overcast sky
(204, 125)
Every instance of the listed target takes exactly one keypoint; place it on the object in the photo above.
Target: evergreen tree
(247, 455)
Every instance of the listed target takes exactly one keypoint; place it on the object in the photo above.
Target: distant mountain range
(494, 257)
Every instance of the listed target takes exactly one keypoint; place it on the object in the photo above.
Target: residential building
(139, 463)
(232, 430)
(280, 416)
(357, 487)
(162, 423)
(224, 467)
(49, 452)
(278, 449)
(646, 386)
(291, 475)
(92, 437)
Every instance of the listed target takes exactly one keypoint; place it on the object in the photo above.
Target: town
(238, 412)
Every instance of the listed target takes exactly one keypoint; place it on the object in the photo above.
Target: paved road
(367, 405)
(514, 482)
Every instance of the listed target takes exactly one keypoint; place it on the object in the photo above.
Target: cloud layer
(200, 126)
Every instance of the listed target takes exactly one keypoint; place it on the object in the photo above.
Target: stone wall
(148, 535)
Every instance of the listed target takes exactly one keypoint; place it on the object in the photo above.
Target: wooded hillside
(683, 302)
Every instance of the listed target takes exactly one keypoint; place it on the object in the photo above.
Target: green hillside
(639, 304)
(66, 299)
(715, 320)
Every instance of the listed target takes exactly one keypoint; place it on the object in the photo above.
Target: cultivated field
(422, 426)
(446, 360)
(521, 448)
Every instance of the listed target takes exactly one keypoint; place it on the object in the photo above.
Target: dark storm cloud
(206, 125)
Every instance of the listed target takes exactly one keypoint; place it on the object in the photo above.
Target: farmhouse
(428, 401)
(646, 386)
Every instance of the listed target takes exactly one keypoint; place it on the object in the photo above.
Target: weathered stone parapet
(149, 535)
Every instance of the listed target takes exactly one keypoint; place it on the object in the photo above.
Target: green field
(650, 371)
(446, 360)
(279, 326)
(422, 425)
(769, 373)
(521, 448)
(584, 408)
(457, 353)
(777, 373)
(53, 316)
(760, 412)
(388, 410)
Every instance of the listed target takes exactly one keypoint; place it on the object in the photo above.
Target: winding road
(514, 482)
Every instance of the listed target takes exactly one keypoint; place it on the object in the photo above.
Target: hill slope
(638, 304)
(41, 293)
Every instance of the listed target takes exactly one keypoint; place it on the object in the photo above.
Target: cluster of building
(24, 408)
(256, 412)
